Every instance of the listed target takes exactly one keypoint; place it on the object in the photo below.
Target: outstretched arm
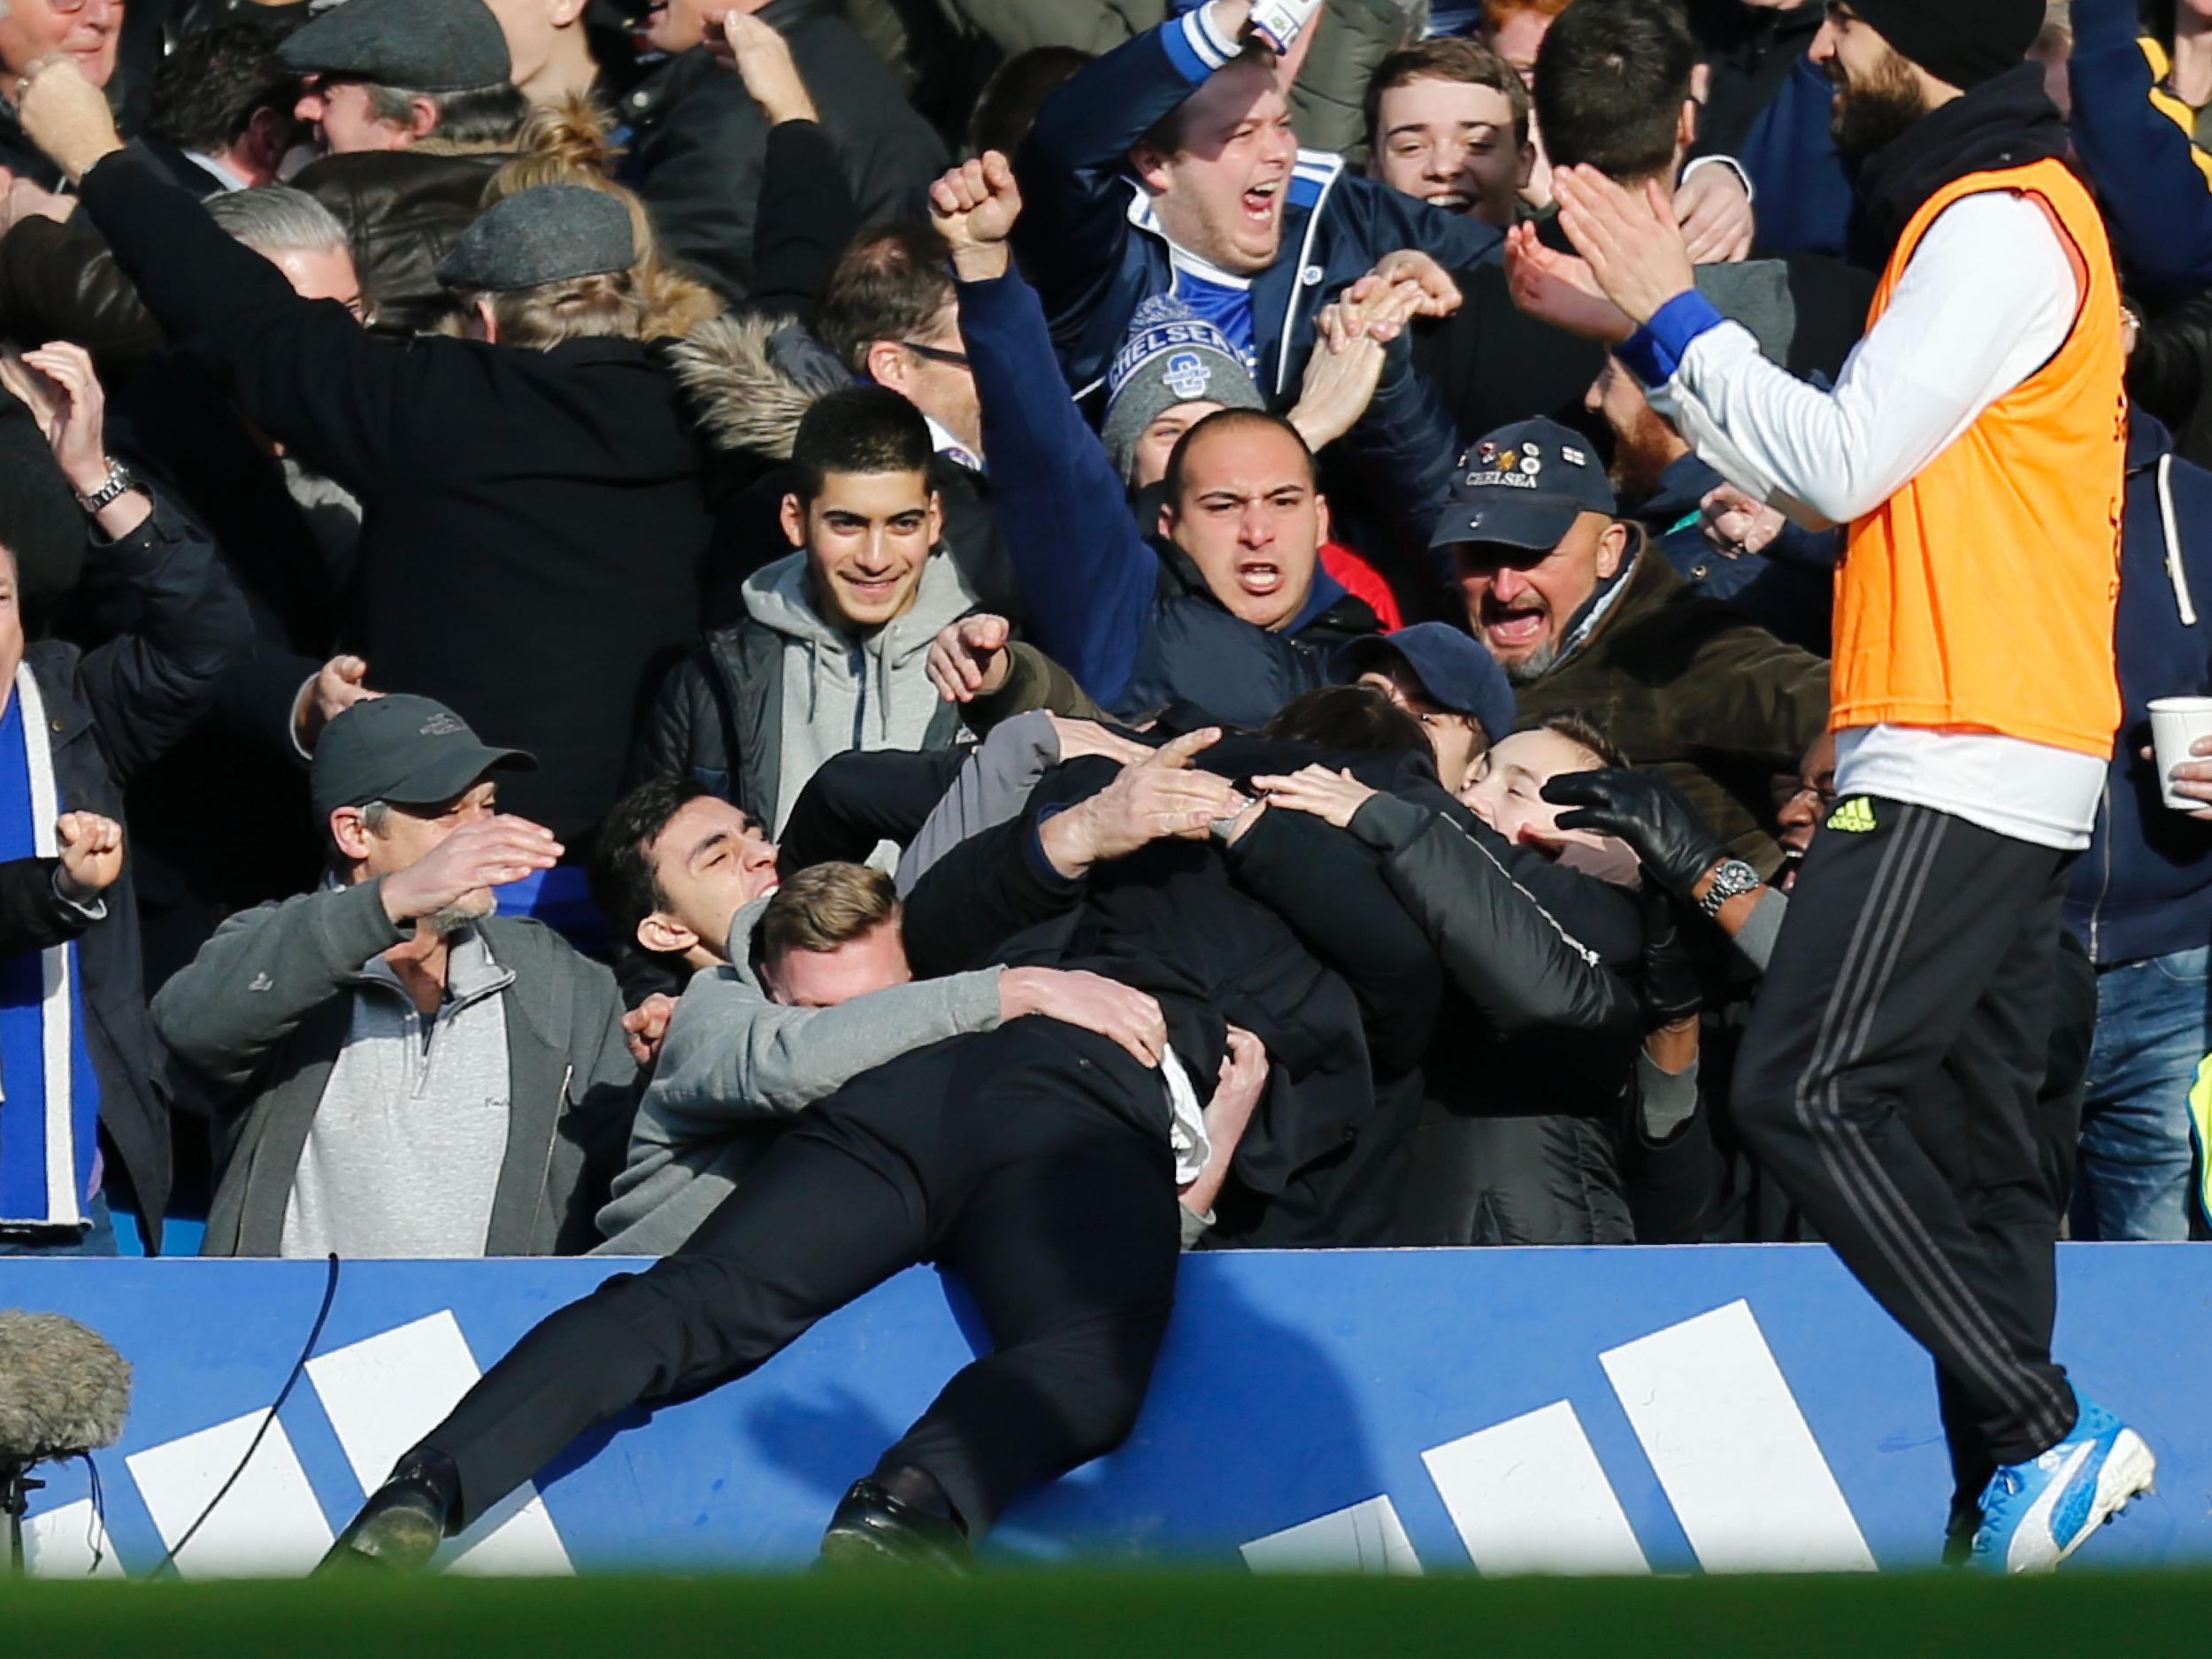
(304, 370)
(1087, 576)
(1923, 375)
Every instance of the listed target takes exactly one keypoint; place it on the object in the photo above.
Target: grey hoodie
(735, 1067)
(841, 694)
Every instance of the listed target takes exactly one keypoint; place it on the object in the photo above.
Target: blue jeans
(2136, 1175)
(99, 1240)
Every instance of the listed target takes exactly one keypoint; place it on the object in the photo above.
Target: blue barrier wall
(1722, 1409)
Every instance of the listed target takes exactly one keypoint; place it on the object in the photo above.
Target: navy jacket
(2144, 888)
(2154, 199)
(1131, 620)
(1088, 239)
(1768, 106)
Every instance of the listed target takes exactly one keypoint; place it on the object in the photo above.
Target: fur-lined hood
(751, 380)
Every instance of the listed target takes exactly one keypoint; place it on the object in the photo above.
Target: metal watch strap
(117, 484)
(1731, 879)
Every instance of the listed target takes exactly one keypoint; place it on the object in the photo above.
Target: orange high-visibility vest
(1980, 595)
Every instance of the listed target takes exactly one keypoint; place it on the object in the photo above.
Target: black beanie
(1963, 42)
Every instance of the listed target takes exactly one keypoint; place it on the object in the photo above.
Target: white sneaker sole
(2129, 1473)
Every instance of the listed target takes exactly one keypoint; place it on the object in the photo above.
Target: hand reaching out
(645, 1028)
(56, 383)
(1559, 289)
(1440, 294)
(1715, 213)
(1736, 524)
(1076, 997)
(336, 688)
(91, 850)
(1332, 797)
(762, 59)
(1160, 798)
(968, 658)
(1635, 249)
(1088, 737)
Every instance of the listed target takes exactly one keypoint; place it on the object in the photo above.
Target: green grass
(1075, 1615)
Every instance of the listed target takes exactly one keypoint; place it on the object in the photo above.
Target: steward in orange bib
(1974, 447)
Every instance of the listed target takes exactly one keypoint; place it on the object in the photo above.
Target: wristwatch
(117, 484)
(1731, 879)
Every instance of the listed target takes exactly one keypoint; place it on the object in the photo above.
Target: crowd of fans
(578, 580)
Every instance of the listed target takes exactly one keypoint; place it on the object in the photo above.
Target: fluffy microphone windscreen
(63, 1390)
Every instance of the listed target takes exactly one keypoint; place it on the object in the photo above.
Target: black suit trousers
(1033, 1161)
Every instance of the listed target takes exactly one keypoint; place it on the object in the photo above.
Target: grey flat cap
(416, 45)
(547, 235)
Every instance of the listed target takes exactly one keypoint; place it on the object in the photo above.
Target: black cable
(97, 1532)
(299, 1369)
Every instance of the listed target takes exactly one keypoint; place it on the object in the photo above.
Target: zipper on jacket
(859, 666)
(545, 1171)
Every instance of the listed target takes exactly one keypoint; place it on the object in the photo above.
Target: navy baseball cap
(1524, 486)
(1453, 668)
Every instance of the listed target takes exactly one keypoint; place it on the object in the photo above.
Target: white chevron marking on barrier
(270, 1524)
(384, 1392)
(1529, 1496)
(1364, 1537)
(1732, 1451)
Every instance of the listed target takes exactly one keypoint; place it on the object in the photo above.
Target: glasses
(937, 354)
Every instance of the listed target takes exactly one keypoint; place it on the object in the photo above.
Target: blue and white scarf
(49, 1102)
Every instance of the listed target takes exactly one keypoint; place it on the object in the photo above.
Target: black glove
(1673, 990)
(1644, 810)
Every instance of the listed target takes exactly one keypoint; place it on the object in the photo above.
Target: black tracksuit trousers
(1889, 1082)
(1033, 1161)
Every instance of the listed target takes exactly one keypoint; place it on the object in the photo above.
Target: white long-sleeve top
(1988, 297)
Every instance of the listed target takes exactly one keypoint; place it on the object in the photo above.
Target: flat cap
(545, 235)
(416, 45)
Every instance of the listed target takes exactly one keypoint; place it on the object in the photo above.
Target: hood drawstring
(2174, 573)
(813, 679)
(883, 684)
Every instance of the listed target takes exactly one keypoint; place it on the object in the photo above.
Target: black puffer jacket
(1535, 1054)
(698, 142)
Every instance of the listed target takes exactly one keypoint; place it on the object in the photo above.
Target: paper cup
(2177, 723)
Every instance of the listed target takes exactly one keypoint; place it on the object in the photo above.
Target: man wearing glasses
(1974, 445)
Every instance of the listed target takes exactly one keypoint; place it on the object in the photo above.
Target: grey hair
(276, 218)
(473, 115)
(376, 816)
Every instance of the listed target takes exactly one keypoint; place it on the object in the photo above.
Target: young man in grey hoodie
(796, 989)
(832, 654)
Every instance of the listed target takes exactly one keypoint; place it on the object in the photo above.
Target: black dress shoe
(400, 1527)
(872, 1528)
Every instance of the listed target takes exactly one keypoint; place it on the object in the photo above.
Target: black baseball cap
(1524, 486)
(1456, 672)
(412, 751)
